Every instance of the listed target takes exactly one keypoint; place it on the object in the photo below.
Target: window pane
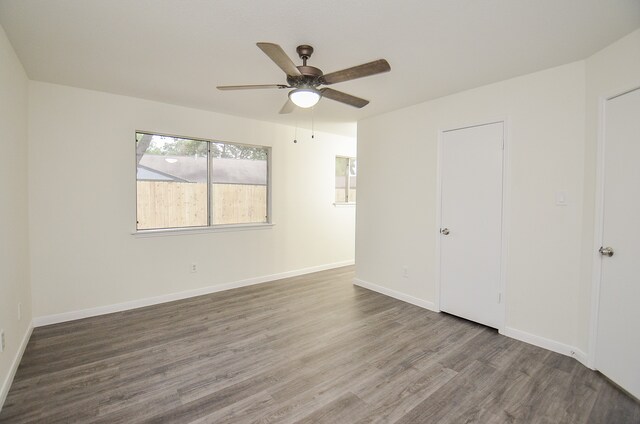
(171, 182)
(342, 165)
(238, 184)
(352, 180)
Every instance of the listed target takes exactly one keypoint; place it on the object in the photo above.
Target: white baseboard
(545, 343)
(396, 294)
(124, 306)
(6, 384)
(582, 357)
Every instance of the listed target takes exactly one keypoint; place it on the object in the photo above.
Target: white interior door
(618, 333)
(471, 223)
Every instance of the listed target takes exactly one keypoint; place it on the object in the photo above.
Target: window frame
(348, 180)
(209, 227)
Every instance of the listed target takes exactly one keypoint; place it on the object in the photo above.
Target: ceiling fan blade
(280, 58)
(288, 107)
(250, 87)
(345, 98)
(371, 68)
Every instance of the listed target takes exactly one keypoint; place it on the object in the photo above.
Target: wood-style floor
(310, 349)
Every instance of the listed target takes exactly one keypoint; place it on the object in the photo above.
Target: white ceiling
(177, 51)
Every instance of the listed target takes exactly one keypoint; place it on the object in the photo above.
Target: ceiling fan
(305, 80)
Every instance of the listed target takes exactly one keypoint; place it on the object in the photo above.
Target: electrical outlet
(405, 272)
(1, 340)
(194, 267)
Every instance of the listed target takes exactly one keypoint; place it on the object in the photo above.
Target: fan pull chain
(313, 109)
(295, 134)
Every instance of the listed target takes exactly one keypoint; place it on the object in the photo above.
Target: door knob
(606, 251)
(444, 231)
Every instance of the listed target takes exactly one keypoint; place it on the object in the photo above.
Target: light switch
(561, 198)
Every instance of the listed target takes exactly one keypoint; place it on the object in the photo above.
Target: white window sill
(343, 205)
(200, 230)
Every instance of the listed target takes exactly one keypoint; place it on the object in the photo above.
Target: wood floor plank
(306, 349)
(613, 406)
(398, 391)
(340, 410)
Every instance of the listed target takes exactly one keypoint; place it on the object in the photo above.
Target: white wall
(14, 258)
(611, 71)
(396, 221)
(82, 203)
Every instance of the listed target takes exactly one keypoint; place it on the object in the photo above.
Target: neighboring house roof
(194, 169)
(148, 174)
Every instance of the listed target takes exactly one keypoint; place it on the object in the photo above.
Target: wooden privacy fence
(163, 204)
(340, 195)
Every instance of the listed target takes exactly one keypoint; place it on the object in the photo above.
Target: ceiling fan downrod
(304, 51)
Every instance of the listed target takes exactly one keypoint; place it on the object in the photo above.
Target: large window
(183, 182)
(345, 179)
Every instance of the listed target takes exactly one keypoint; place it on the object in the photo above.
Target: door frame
(598, 232)
(505, 214)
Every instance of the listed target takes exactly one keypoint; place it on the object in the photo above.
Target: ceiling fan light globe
(304, 97)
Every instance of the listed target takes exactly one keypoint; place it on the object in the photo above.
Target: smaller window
(346, 171)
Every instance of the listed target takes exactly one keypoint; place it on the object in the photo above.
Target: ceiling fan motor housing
(310, 78)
